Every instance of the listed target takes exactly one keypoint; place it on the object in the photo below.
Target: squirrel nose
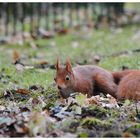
(59, 88)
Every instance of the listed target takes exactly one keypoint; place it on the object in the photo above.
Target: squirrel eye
(67, 78)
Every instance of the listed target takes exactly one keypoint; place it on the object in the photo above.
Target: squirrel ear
(68, 65)
(58, 63)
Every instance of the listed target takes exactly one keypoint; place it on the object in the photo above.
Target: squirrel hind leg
(106, 85)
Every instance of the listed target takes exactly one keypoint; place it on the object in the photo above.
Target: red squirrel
(92, 80)
(87, 79)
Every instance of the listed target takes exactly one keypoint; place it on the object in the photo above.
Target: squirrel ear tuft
(68, 65)
(58, 63)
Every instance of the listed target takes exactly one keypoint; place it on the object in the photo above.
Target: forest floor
(29, 103)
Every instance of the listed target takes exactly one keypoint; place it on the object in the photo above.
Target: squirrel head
(64, 78)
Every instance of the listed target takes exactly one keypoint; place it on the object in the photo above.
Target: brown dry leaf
(16, 56)
(21, 129)
(62, 31)
(92, 100)
(62, 101)
(43, 63)
(112, 100)
(127, 135)
(22, 91)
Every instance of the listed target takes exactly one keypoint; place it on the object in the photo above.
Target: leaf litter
(34, 113)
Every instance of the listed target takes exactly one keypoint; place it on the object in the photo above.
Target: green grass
(79, 46)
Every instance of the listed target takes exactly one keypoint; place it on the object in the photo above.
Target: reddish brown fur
(129, 86)
(87, 79)
(92, 80)
(120, 74)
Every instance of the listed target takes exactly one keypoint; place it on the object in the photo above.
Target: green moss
(95, 111)
(83, 135)
(51, 95)
(69, 125)
(91, 122)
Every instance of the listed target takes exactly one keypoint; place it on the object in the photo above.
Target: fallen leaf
(22, 91)
(16, 56)
(127, 135)
(21, 128)
(62, 31)
(92, 100)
